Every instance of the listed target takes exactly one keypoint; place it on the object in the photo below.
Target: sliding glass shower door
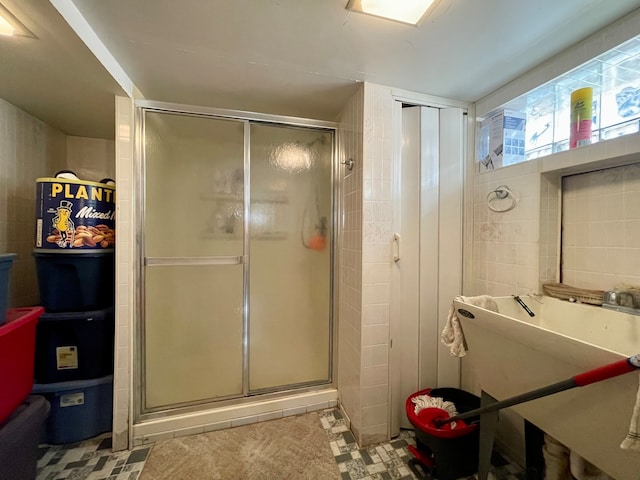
(290, 250)
(193, 249)
(236, 239)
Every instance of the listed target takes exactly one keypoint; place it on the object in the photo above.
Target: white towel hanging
(452, 335)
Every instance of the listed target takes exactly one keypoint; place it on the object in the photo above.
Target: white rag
(632, 440)
(452, 335)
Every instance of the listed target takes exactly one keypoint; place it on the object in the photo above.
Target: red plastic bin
(17, 357)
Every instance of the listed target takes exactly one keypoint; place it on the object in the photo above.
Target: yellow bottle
(581, 117)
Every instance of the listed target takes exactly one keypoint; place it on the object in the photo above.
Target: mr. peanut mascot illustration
(63, 223)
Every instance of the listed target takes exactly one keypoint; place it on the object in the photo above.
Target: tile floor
(90, 460)
(93, 460)
(388, 460)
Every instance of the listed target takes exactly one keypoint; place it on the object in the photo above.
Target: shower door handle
(192, 261)
(396, 247)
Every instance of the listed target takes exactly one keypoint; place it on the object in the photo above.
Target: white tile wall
(350, 142)
(377, 158)
(365, 324)
(601, 228)
(506, 245)
(125, 283)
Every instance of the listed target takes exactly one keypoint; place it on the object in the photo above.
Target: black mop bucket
(445, 454)
(434, 430)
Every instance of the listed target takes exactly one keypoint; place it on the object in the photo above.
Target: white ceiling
(55, 78)
(289, 57)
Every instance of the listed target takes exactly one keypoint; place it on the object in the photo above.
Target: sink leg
(533, 441)
(488, 425)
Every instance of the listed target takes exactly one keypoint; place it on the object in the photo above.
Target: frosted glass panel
(193, 332)
(193, 186)
(194, 193)
(290, 248)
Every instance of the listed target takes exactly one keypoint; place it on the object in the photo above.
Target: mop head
(426, 401)
(430, 409)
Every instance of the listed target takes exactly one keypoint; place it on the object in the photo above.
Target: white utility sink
(511, 352)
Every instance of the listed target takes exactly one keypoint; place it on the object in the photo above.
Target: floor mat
(286, 448)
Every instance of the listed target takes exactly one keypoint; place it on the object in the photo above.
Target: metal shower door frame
(142, 261)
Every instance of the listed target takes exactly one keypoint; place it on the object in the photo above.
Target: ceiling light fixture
(5, 27)
(10, 26)
(405, 11)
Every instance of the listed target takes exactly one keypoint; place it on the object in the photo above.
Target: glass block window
(614, 77)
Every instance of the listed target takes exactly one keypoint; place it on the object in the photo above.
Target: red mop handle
(592, 376)
(607, 371)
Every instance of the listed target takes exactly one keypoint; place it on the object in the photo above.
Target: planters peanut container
(74, 215)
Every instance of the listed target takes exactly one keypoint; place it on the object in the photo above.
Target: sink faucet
(622, 301)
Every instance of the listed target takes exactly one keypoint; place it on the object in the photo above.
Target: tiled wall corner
(350, 281)
(125, 268)
(29, 149)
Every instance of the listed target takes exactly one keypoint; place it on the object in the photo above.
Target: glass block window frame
(614, 77)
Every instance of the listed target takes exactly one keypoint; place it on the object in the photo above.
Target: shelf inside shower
(268, 213)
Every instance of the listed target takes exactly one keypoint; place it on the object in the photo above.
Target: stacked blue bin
(21, 415)
(75, 266)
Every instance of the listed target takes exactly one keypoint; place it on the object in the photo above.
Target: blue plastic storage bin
(74, 346)
(79, 410)
(75, 281)
(6, 262)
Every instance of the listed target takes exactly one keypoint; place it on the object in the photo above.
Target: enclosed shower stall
(236, 244)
